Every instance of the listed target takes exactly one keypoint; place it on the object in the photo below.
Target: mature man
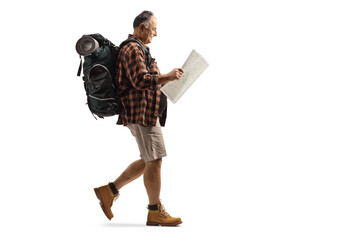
(144, 113)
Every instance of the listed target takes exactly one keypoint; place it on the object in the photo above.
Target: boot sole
(162, 224)
(98, 195)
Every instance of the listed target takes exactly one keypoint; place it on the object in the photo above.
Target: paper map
(193, 67)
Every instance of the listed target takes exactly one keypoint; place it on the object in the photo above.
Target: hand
(176, 74)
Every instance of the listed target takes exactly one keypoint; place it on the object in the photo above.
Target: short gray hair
(143, 17)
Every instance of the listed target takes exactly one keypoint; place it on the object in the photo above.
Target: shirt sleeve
(136, 70)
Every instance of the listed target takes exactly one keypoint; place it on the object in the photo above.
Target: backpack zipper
(101, 99)
(112, 84)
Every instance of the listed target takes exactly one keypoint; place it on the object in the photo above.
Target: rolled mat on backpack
(86, 45)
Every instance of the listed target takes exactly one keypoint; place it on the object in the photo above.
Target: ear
(142, 26)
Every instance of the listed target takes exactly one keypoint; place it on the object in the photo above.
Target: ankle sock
(153, 207)
(113, 188)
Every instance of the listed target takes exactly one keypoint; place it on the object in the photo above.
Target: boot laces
(116, 197)
(163, 211)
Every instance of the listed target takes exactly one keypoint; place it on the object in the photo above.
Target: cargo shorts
(150, 141)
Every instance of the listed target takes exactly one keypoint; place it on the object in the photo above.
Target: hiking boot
(107, 194)
(158, 216)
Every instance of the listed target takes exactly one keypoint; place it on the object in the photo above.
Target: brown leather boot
(161, 217)
(107, 194)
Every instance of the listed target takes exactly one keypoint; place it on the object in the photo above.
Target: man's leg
(152, 180)
(132, 172)
(108, 193)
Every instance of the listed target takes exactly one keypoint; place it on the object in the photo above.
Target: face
(150, 32)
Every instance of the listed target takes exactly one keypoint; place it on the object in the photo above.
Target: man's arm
(139, 76)
(136, 71)
(175, 74)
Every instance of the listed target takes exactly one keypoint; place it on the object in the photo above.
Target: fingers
(178, 73)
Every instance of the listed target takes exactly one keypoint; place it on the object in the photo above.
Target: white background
(265, 145)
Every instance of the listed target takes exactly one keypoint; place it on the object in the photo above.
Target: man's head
(145, 26)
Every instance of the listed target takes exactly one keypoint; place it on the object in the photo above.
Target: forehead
(153, 21)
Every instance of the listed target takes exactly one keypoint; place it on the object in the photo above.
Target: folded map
(193, 67)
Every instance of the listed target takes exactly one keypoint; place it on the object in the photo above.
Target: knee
(139, 164)
(158, 161)
(154, 163)
(142, 164)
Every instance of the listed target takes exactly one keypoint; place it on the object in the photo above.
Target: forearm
(163, 78)
(171, 76)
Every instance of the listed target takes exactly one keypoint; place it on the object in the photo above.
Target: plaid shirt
(137, 87)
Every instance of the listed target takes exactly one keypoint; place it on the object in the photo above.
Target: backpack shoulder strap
(146, 52)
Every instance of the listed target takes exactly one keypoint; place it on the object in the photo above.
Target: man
(144, 113)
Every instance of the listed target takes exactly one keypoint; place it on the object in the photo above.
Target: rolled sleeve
(137, 72)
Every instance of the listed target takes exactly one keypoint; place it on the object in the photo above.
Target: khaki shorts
(150, 141)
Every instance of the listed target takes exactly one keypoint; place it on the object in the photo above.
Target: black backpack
(99, 73)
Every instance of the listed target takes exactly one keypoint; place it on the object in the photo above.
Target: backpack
(99, 76)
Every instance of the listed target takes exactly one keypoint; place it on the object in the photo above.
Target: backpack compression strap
(79, 70)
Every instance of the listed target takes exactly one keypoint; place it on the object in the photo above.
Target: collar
(133, 37)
